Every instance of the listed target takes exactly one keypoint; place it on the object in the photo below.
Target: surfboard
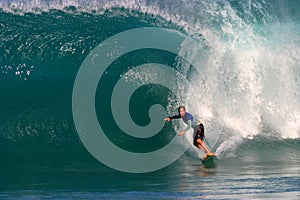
(210, 161)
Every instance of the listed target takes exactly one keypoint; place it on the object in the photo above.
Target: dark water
(252, 60)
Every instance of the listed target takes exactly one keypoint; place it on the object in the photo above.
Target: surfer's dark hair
(180, 108)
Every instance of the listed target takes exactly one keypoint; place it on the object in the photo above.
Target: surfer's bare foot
(212, 154)
(205, 156)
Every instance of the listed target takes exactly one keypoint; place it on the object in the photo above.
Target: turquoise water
(248, 98)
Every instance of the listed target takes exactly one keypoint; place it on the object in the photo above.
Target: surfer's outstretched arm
(189, 124)
(173, 117)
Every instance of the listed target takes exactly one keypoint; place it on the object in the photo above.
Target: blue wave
(43, 45)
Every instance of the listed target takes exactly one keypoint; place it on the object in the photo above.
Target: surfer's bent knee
(198, 142)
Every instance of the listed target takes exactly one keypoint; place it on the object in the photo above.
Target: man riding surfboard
(196, 125)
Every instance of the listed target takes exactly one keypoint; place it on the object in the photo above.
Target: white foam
(22, 71)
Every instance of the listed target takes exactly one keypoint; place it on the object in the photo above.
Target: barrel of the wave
(84, 90)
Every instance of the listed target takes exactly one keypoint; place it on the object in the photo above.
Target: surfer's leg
(203, 146)
(205, 156)
(199, 146)
(203, 149)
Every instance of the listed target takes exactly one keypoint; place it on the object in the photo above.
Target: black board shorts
(198, 133)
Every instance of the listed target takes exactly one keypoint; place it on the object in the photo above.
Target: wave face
(252, 76)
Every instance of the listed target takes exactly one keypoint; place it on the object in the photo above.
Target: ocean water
(243, 83)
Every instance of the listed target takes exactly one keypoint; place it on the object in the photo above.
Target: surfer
(196, 125)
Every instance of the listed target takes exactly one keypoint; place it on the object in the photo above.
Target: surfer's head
(181, 111)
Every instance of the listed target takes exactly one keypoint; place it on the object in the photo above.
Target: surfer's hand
(167, 119)
(181, 133)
